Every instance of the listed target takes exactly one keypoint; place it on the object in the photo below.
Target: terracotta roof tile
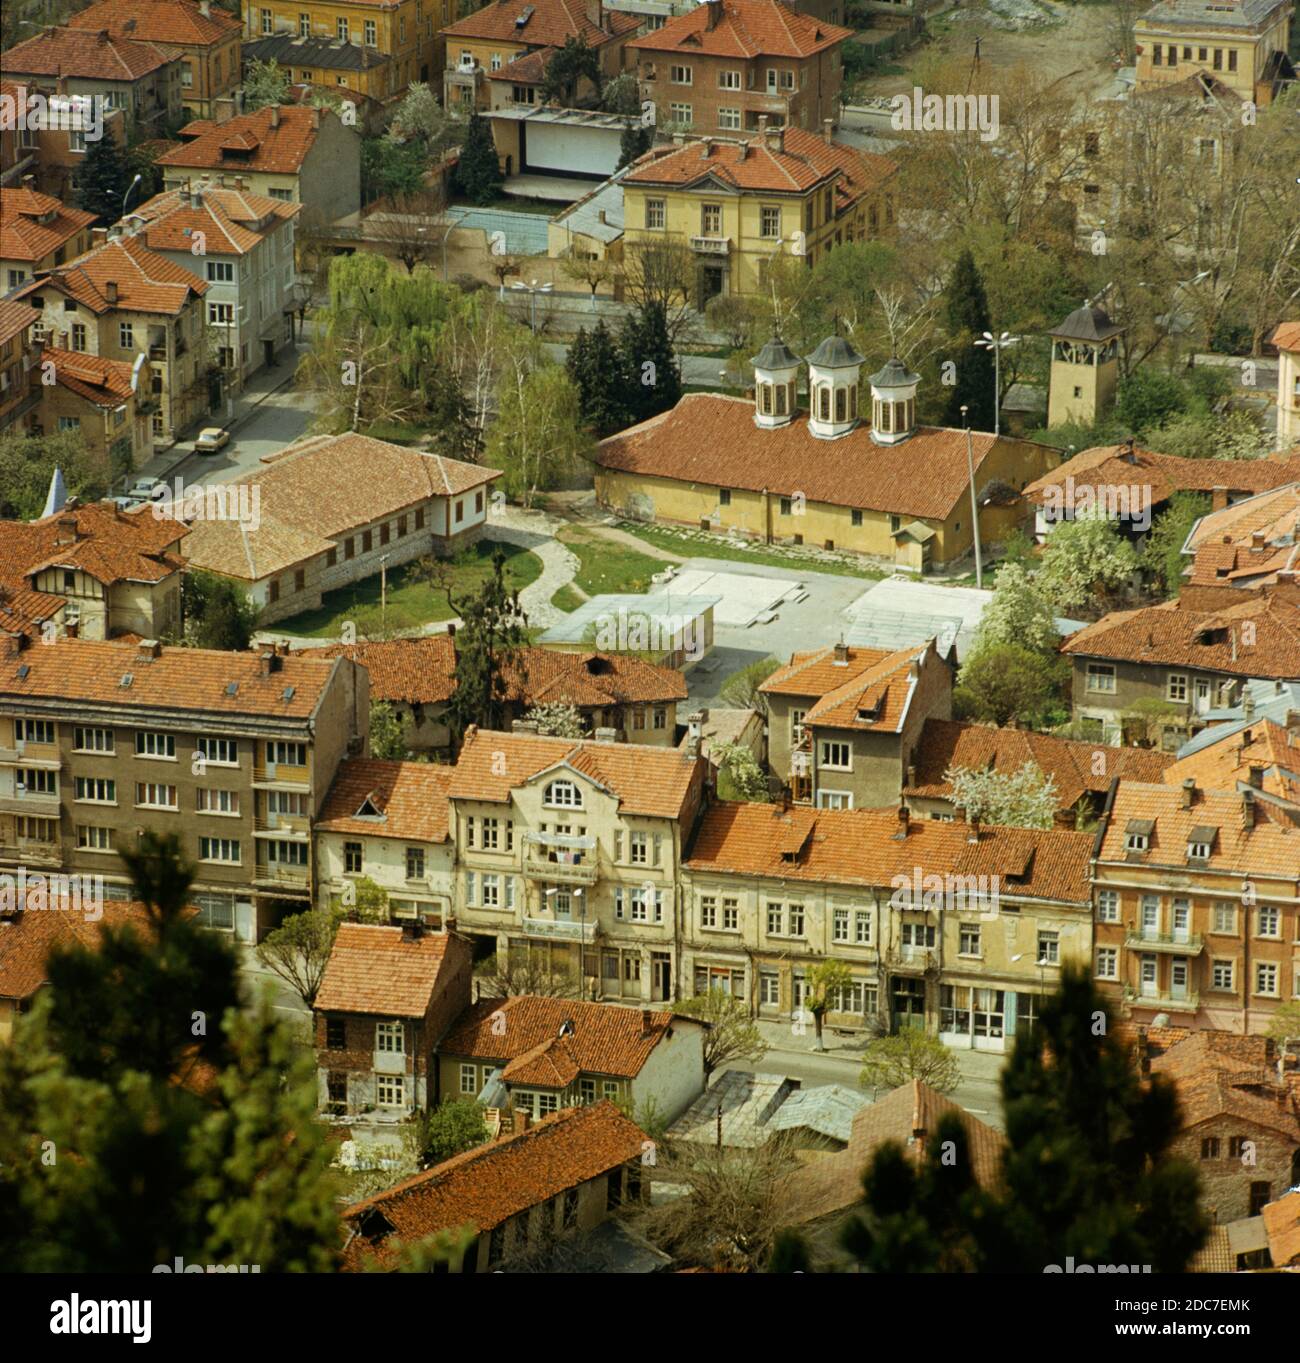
(1286, 336)
(377, 969)
(711, 439)
(178, 678)
(607, 1038)
(409, 671)
(744, 28)
(106, 383)
(27, 938)
(278, 150)
(1071, 763)
(549, 24)
(833, 1183)
(651, 781)
(15, 317)
(1263, 747)
(491, 1183)
(146, 282)
(1282, 1218)
(33, 226)
(180, 22)
(83, 55)
(228, 218)
(862, 847)
(877, 699)
(410, 797)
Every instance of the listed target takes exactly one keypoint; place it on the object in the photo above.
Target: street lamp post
(383, 592)
(974, 508)
(533, 289)
(127, 194)
(997, 345)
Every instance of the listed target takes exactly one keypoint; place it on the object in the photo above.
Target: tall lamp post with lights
(997, 345)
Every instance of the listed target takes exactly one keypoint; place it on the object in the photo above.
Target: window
(304, 25)
(91, 839)
(268, 22)
(679, 75)
(708, 912)
(92, 740)
(126, 335)
(654, 214)
(1108, 906)
(836, 755)
(1137, 842)
(639, 849)
(34, 730)
(1209, 1147)
(969, 944)
(1049, 948)
(286, 754)
(370, 33)
(769, 988)
(840, 925)
(341, 29)
(681, 113)
(353, 858)
(153, 795)
(390, 1038)
(221, 271)
(47, 783)
(769, 221)
(219, 752)
(1224, 919)
(728, 80)
(1232, 59)
(563, 795)
(219, 849)
(415, 863)
(78, 336)
(731, 915)
(855, 518)
(1107, 963)
(729, 119)
(862, 928)
(390, 1089)
(1223, 974)
(210, 801)
(336, 1034)
(419, 518)
(1268, 922)
(587, 1093)
(150, 743)
(710, 220)
(221, 314)
(284, 195)
(1101, 677)
(1176, 687)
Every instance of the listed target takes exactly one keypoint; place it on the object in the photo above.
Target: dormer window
(1198, 851)
(1137, 842)
(1200, 843)
(563, 795)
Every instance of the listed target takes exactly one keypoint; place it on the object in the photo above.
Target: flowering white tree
(557, 718)
(1083, 557)
(1021, 799)
(1019, 613)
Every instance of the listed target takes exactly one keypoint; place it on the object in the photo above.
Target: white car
(211, 439)
(146, 490)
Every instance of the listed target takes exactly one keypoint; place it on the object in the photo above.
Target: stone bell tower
(1085, 367)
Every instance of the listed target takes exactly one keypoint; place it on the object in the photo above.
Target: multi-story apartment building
(233, 752)
(294, 153)
(20, 354)
(568, 852)
(1241, 45)
(37, 233)
(739, 204)
(1197, 907)
(121, 301)
(725, 64)
(139, 78)
(247, 260)
(202, 35)
(959, 929)
(843, 722)
(1172, 664)
(350, 70)
(47, 158)
(386, 822)
(1261, 755)
(399, 30)
(502, 33)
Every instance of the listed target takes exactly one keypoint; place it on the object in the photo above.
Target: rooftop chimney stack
(712, 13)
(1189, 792)
(828, 126)
(1247, 810)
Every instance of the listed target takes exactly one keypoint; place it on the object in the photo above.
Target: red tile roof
(418, 671)
(549, 24)
(1286, 336)
(106, 383)
(870, 690)
(833, 1183)
(656, 782)
(1263, 748)
(233, 221)
(863, 847)
(146, 282)
(743, 28)
(1282, 1218)
(27, 938)
(410, 800)
(804, 161)
(1071, 763)
(83, 55)
(33, 226)
(90, 670)
(377, 969)
(607, 1038)
(711, 439)
(179, 22)
(491, 1183)
(277, 150)
(15, 317)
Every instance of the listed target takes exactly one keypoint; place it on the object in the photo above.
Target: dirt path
(612, 532)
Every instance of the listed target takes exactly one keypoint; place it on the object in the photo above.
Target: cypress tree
(479, 170)
(968, 319)
(599, 371)
(103, 179)
(654, 378)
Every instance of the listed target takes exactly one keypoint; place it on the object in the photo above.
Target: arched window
(824, 402)
(841, 403)
(563, 795)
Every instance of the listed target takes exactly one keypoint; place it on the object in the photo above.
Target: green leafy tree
(478, 172)
(104, 176)
(389, 168)
(420, 117)
(740, 690)
(655, 379)
(298, 951)
(622, 95)
(968, 319)
(387, 732)
(451, 1128)
(636, 140)
(1005, 682)
(1212, 435)
(489, 646)
(1162, 554)
(739, 775)
(217, 612)
(1018, 613)
(265, 82)
(891, 1061)
(27, 463)
(572, 63)
(538, 435)
(1023, 799)
(823, 982)
(1083, 560)
(1148, 397)
(731, 1035)
(598, 368)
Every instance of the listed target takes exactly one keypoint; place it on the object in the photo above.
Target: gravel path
(536, 530)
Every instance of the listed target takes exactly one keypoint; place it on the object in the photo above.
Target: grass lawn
(606, 565)
(567, 598)
(412, 603)
(663, 537)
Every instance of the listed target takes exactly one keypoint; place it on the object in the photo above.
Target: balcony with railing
(27, 754)
(912, 957)
(289, 827)
(281, 875)
(1150, 996)
(560, 929)
(1176, 943)
(276, 775)
(560, 859)
(711, 246)
(30, 851)
(41, 805)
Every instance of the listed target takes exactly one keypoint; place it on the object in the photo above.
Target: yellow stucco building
(1243, 46)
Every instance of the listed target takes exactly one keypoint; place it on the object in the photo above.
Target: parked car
(146, 490)
(211, 439)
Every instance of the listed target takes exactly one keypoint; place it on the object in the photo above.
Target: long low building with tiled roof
(766, 470)
(323, 513)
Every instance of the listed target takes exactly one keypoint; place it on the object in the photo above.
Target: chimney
(412, 932)
(974, 835)
(1248, 704)
(1257, 777)
(918, 1126)
(65, 530)
(269, 661)
(1257, 539)
(775, 139)
(275, 115)
(828, 125)
(1218, 498)
(205, 8)
(600, 217)
(523, 726)
(647, 1026)
(315, 117)
(694, 732)
(904, 822)
(451, 631)
(841, 653)
(521, 1120)
(1247, 810)
(911, 773)
(712, 13)
(606, 735)
(110, 290)
(149, 648)
(706, 148)
(1189, 792)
